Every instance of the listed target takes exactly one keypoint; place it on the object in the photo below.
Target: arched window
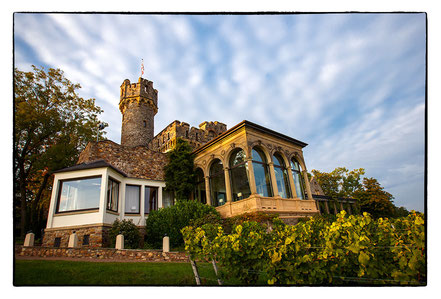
(199, 189)
(218, 192)
(281, 176)
(261, 173)
(297, 176)
(239, 177)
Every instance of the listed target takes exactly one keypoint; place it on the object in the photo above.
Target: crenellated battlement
(166, 139)
(140, 92)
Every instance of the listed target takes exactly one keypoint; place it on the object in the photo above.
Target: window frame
(197, 183)
(139, 200)
(157, 199)
(277, 156)
(220, 173)
(60, 188)
(231, 169)
(107, 194)
(301, 180)
(266, 167)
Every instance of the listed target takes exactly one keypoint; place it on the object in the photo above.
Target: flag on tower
(142, 67)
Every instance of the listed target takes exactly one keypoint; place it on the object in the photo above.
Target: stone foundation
(103, 254)
(98, 236)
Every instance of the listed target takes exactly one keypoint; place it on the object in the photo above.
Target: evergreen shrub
(169, 221)
(132, 237)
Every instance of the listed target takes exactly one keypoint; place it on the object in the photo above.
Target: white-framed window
(112, 195)
(79, 194)
(133, 199)
(150, 199)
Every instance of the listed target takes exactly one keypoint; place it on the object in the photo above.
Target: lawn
(63, 273)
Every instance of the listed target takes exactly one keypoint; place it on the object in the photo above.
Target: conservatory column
(308, 187)
(251, 179)
(207, 190)
(227, 183)
(273, 179)
(291, 182)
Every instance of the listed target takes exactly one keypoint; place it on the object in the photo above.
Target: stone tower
(138, 105)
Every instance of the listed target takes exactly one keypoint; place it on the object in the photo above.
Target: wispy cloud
(350, 85)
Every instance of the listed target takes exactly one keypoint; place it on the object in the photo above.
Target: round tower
(138, 105)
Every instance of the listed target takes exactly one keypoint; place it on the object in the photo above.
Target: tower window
(145, 124)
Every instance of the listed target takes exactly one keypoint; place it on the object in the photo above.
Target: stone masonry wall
(166, 139)
(103, 254)
(98, 236)
(137, 124)
(138, 162)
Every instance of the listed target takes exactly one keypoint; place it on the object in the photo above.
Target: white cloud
(351, 86)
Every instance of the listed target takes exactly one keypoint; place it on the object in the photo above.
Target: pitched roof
(91, 165)
(248, 124)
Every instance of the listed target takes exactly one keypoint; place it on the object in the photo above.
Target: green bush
(132, 237)
(169, 221)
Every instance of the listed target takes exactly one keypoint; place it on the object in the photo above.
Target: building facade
(248, 168)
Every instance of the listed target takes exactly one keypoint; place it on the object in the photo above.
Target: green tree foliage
(340, 182)
(52, 125)
(356, 249)
(179, 172)
(371, 197)
(132, 237)
(170, 220)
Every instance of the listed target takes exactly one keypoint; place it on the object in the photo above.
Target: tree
(373, 199)
(52, 125)
(368, 192)
(179, 172)
(340, 182)
(401, 212)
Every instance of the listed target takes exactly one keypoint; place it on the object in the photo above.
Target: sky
(352, 86)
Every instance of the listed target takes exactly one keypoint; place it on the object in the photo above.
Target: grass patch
(79, 273)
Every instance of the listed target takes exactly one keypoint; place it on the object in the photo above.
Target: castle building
(247, 168)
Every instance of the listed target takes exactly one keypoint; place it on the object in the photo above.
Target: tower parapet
(166, 139)
(138, 105)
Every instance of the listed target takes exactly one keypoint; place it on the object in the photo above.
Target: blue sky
(352, 86)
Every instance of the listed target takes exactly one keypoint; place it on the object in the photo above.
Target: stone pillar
(252, 180)
(73, 240)
(29, 240)
(291, 182)
(228, 184)
(308, 186)
(273, 179)
(119, 244)
(166, 244)
(207, 190)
